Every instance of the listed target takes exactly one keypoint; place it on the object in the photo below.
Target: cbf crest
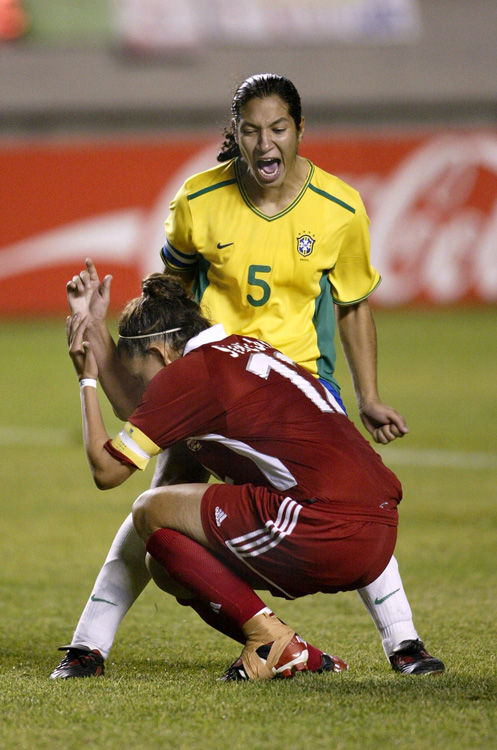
(305, 245)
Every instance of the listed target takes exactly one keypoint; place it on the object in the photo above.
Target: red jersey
(251, 415)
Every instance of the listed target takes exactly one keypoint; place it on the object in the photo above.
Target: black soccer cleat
(331, 663)
(235, 673)
(411, 657)
(79, 662)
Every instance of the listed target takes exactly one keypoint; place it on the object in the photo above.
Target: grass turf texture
(439, 369)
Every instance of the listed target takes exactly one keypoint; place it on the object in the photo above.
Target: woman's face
(268, 140)
(142, 368)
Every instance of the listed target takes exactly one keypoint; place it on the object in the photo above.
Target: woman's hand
(383, 422)
(87, 296)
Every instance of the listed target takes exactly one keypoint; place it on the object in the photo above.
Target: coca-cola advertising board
(431, 197)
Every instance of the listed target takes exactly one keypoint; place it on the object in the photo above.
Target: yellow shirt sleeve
(179, 253)
(353, 278)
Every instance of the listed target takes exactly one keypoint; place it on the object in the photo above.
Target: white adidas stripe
(270, 535)
(249, 545)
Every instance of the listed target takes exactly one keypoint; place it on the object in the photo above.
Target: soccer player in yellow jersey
(273, 246)
(273, 276)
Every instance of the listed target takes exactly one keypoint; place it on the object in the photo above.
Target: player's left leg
(271, 648)
(387, 603)
(157, 513)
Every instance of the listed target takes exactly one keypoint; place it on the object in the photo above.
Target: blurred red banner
(431, 197)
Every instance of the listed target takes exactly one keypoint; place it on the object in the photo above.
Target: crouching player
(306, 506)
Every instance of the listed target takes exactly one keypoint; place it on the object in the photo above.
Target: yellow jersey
(275, 278)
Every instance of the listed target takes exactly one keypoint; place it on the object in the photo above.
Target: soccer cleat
(411, 657)
(235, 673)
(293, 659)
(79, 662)
(331, 663)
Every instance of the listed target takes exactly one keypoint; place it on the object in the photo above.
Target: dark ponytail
(165, 304)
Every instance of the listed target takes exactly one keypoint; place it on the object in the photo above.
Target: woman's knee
(142, 513)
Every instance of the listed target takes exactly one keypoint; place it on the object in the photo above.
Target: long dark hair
(260, 86)
(165, 304)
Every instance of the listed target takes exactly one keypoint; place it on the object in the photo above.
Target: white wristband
(91, 382)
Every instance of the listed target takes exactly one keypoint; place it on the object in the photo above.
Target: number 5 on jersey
(254, 279)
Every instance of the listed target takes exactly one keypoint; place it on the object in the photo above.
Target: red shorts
(290, 548)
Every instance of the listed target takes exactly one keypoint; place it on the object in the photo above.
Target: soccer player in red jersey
(277, 249)
(306, 505)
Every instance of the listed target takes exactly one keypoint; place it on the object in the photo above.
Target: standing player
(274, 246)
(306, 504)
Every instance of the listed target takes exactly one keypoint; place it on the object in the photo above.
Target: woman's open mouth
(268, 169)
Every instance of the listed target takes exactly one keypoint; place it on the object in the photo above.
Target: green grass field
(160, 691)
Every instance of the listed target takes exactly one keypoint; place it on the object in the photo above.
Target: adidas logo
(215, 607)
(219, 515)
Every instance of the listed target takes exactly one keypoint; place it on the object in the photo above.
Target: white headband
(147, 335)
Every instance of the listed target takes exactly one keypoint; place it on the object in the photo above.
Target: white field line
(41, 437)
(27, 437)
(437, 458)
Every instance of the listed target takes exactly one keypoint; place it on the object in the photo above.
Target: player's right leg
(121, 580)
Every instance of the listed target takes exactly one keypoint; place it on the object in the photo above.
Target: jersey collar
(214, 333)
(254, 208)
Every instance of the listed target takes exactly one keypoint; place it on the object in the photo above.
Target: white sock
(386, 602)
(121, 580)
